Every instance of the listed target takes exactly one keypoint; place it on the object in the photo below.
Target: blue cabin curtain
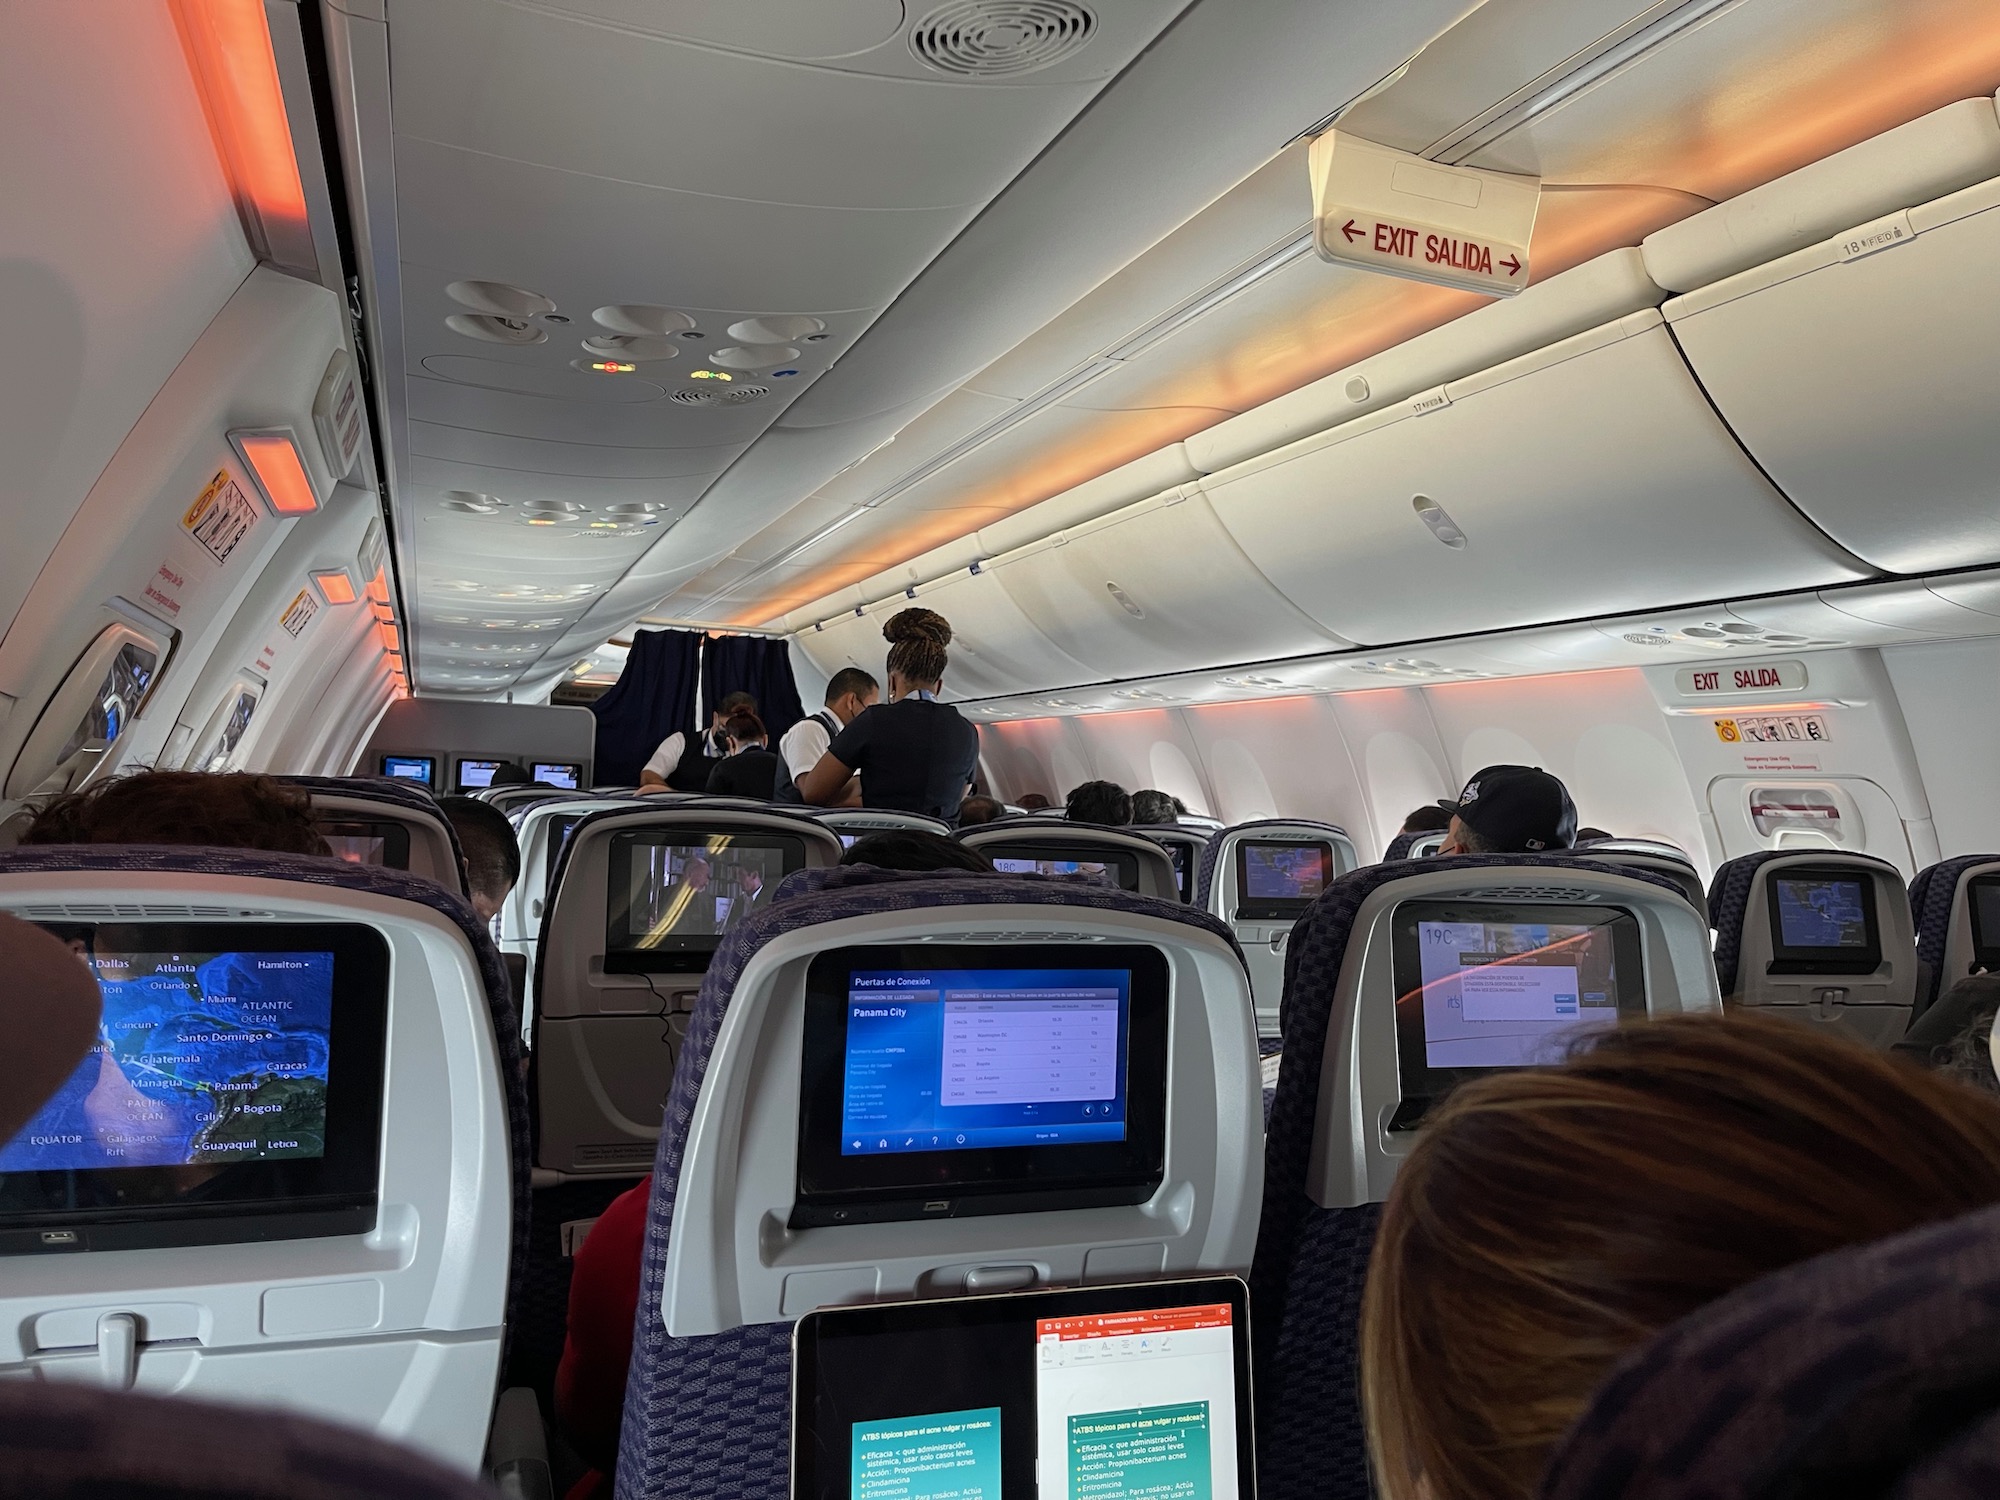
(757, 666)
(652, 698)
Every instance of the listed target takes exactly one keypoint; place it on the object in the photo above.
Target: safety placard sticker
(221, 518)
(299, 613)
(1773, 729)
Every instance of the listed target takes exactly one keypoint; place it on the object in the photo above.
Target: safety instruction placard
(299, 613)
(1773, 729)
(221, 517)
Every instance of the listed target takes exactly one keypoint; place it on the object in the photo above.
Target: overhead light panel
(335, 586)
(273, 457)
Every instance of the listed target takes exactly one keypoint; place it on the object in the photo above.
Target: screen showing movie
(362, 841)
(201, 1058)
(674, 897)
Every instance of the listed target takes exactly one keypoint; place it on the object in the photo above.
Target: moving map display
(202, 1059)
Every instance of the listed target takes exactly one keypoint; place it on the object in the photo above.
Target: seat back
(1424, 845)
(626, 939)
(855, 823)
(1956, 907)
(1344, 1111)
(1820, 935)
(511, 799)
(728, 1264)
(1655, 856)
(1034, 845)
(1185, 847)
(1742, 1398)
(329, 1052)
(371, 820)
(1260, 877)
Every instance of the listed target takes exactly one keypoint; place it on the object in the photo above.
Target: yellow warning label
(1727, 732)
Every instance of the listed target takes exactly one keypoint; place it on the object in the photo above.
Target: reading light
(612, 367)
(334, 586)
(273, 456)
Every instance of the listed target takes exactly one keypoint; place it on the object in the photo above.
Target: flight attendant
(914, 753)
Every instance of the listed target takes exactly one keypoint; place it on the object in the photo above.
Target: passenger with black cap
(1510, 810)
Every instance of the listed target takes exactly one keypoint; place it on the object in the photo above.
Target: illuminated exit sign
(1384, 210)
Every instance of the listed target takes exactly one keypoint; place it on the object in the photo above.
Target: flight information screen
(1282, 876)
(949, 1060)
(202, 1058)
(1821, 913)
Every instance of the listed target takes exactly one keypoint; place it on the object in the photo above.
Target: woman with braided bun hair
(913, 753)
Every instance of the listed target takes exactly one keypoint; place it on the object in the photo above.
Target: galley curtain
(754, 665)
(652, 698)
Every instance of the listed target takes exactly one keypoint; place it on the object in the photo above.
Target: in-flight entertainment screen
(475, 775)
(957, 1072)
(421, 768)
(365, 841)
(566, 774)
(1823, 920)
(1111, 867)
(226, 1082)
(1280, 878)
(1109, 1393)
(1984, 894)
(1484, 986)
(673, 896)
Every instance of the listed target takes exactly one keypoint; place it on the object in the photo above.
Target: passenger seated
(976, 810)
(1549, 1221)
(751, 769)
(489, 851)
(1510, 810)
(915, 849)
(604, 1278)
(1034, 802)
(1156, 809)
(509, 773)
(1104, 803)
(231, 810)
(1955, 1034)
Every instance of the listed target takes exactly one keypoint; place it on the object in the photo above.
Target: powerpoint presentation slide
(953, 1455)
(1137, 1406)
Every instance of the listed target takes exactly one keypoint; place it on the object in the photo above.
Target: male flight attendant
(1510, 810)
(850, 691)
(673, 767)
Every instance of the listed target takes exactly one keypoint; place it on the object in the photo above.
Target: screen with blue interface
(1820, 913)
(474, 775)
(960, 1059)
(410, 768)
(1500, 994)
(202, 1059)
(563, 773)
(1284, 872)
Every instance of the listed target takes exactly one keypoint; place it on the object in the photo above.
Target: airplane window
(240, 713)
(118, 698)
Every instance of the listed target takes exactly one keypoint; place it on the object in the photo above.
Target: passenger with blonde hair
(914, 753)
(1549, 1221)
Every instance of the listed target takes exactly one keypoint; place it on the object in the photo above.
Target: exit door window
(1775, 811)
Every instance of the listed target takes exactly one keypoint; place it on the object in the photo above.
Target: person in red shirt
(597, 1348)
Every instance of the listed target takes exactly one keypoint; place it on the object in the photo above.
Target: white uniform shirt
(804, 743)
(667, 757)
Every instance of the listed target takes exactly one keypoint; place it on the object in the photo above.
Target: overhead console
(1859, 370)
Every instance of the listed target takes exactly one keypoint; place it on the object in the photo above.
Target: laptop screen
(1071, 1395)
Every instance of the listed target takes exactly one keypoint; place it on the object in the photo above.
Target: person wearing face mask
(913, 753)
(850, 691)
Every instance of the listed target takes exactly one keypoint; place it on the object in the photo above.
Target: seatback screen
(1277, 878)
(238, 1074)
(476, 775)
(421, 768)
(674, 895)
(557, 833)
(1983, 896)
(942, 1080)
(1822, 920)
(1112, 867)
(1483, 986)
(947, 1060)
(367, 841)
(1107, 1393)
(566, 774)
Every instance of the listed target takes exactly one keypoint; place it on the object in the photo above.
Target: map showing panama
(201, 1059)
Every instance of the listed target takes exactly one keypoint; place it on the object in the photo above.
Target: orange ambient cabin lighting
(334, 586)
(391, 638)
(229, 43)
(274, 458)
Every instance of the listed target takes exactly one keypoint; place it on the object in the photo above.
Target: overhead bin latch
(1380, 209)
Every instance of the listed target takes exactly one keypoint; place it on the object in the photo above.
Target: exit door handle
(118, 1350)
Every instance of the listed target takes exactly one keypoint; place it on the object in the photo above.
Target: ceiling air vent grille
(999, 38)
(729, 395)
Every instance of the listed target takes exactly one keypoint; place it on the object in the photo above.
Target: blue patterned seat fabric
(1728, 903)
(62, 1441)
(709, 1416)
(1872, 1371)
(255, 864)
(1931, 896)
(1205, 874)
(1305, 1285)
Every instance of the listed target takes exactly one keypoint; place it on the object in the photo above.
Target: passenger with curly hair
(233, 810)
(914, 753)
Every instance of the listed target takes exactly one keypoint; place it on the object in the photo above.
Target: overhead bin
(1860, 373)
(1587, 478)
(1588, 296)
(1927, 158)
(1156, 587)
